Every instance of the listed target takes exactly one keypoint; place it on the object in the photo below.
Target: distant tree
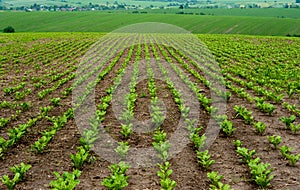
(9, 29)
(181, 7)
(297, 1)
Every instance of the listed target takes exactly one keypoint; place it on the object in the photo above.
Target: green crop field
(75, 113)
(107, 22)
(157, 100)
(255, 12)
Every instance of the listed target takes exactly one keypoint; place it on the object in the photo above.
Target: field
(143, 3)
(61, 94)
(262, 12)
(107, 22)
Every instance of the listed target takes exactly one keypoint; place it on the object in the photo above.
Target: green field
(255, 12)
(143, 3)
(50, 138)
(106, 22)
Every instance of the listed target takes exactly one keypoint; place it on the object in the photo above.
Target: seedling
(126, 130)
(216, 183)
(165, 182)
(199, 141)
(11, 183)
(55, 101)
(204, 159)
(22, 169)
(162, 149)
(227, 127)
(80, 157)
(159, 136)
(293, 159)
(117, 179)
(40, 145)
(214, 178)
(4, 122)
(260, 173)
(260, 127)
(288, 120)
(275, 140)
(237, 143)
(244, 113)
(285, 150)
(66, 181)
(122, 149)
(245, 153)
(19, 172)
(294, 128)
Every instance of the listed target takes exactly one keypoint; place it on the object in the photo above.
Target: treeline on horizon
(181, 4)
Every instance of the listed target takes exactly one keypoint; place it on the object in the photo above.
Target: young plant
(216, 183)
(126, 130)
(164, 174)
(204, 159)
(80, 157)
(22, 169)
(260, 127)
(294, 128)
(275, 140)
(260, 173)
(293, 159)
(4, 122)
(199, 141)
(237, 143)
(227, 127)
(16, 133)
(122, 149)
(66, 181)
(117, 179)
(55, 101)
(162, 149)
(244, 113)
(88, 138)
(159, 136)
(245, 153)
(288, 120)
(25, 105)
(214, 178)
(11, 183)
(40, 145)
(19, 172)
(266, 107)
(285, 150)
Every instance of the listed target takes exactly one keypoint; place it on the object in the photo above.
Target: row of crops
(140, 112)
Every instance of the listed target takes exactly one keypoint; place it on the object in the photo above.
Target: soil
(187, 172)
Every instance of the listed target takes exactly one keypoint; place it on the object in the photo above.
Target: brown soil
(186, 170)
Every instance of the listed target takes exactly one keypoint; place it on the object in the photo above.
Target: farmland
(49, 80)
(106, 22)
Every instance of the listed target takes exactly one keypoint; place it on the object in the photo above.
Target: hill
(106, 22)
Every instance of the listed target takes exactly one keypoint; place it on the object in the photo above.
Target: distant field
(256, 12)
(142, 3)
(106, 22)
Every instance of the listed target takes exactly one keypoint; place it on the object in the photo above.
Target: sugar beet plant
(66, 181)
(289, 122)
(215, 180)
(19, 172)
(286, 154)
(275, 140)
(244, 113)
(260, 172)
(117, 179)
(227, 127)
(164, 174)
(263, 106)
